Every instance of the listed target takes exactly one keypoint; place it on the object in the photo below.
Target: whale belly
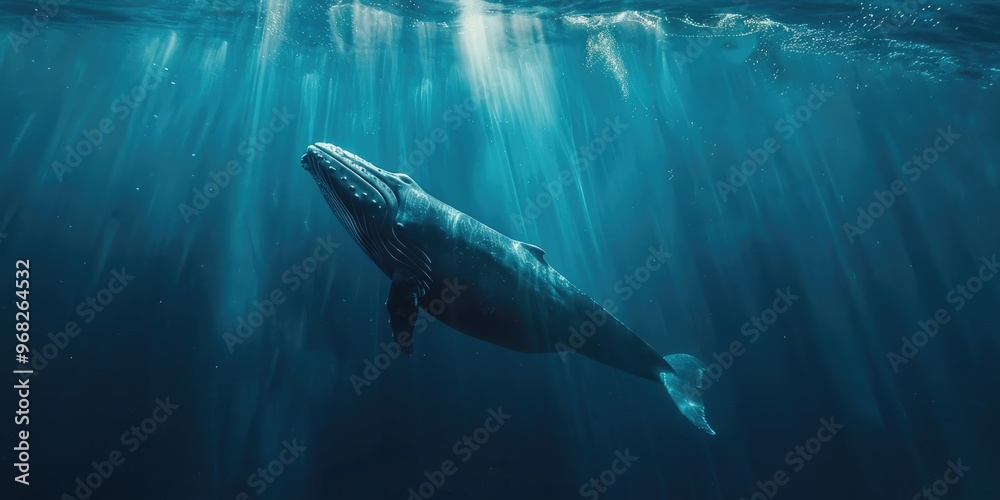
(518, 305)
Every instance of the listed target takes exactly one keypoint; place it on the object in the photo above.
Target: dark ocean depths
(823, 176)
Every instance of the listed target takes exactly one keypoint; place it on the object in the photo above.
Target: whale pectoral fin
(402, 305)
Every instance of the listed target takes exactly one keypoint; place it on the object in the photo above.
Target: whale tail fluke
(685, 387)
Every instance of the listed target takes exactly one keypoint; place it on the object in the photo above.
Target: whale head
(367, 200)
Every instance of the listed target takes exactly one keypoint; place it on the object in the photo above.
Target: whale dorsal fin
(536, 251)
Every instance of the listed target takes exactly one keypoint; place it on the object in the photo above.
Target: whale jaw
(368, 201)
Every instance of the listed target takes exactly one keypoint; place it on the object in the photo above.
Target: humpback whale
(499, 289)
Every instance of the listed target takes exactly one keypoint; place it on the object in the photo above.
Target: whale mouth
(367, 200)
(364, 203)
(352, 179)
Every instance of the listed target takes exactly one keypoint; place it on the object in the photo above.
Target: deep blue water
(595, 130)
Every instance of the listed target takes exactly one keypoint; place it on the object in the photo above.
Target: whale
(480, 282)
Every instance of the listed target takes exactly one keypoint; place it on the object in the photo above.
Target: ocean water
(819, 181)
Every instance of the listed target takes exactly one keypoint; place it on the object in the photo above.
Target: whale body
(481, 282)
